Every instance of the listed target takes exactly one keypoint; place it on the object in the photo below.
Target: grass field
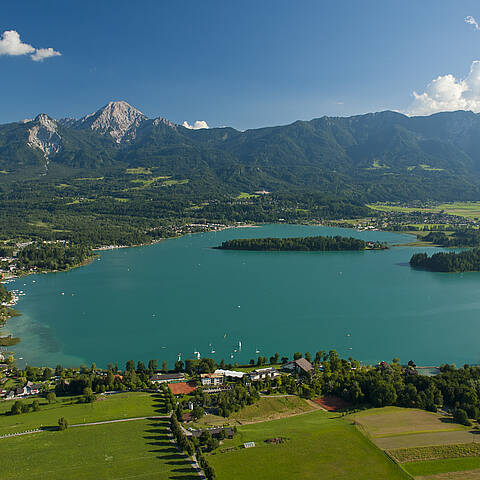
(452, 468)
(436, 452)
(120, 451)
(267, 408)
(138, 171)
(244, 195)
(390, 421)
(469, 210)
(428, 445)
(319, 445)
(425, 439)
(122, 405)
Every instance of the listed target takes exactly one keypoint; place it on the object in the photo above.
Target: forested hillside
(117, 177)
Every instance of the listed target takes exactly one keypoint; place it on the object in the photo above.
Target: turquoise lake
(181, 296)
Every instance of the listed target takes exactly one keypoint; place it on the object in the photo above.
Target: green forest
(460, 238)
(320, 244)
(466, 261)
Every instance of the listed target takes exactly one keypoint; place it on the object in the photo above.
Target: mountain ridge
(376, 156)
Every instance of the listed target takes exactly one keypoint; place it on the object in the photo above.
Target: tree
(297, 355)
(178, 366)
(62, 423)
(130, 366)
(88, 395)
(320, 356)
(141, 367)
(93, 368)
(153, 365)
(35, 406)
(308, 356)
(460, 416)
(47, 373)
(198, 412)
(16, 408)
(51, 397)
(164, 366)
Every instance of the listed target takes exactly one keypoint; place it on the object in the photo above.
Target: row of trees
(189, 448)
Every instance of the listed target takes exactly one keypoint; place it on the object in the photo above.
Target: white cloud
(447, 93)
(11, 44)
(471, 21)
(197, 125)
(43, 53)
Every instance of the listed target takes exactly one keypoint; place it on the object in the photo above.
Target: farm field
(389, 421)
(317, 445)
(469, 210)
(130, 450)
(111, 407)
(448, 469)
(267, 408)
(428, 445)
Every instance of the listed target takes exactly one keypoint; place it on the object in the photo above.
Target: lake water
(181, 296)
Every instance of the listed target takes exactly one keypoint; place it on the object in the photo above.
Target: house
(3, 393)
(301, 366)
(262, 374)
(21, 391)
(34, 388)
(182, 388)
(212, 378)
(167, 378)
(230, 373)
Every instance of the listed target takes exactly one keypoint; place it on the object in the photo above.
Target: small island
(305, 244)
(466, 261)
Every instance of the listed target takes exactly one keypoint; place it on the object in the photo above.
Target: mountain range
(373, 157)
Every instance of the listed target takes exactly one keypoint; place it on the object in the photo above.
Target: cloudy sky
(246, 64)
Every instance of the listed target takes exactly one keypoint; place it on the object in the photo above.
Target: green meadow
(317, 445)
(111, 407)
(129, 450)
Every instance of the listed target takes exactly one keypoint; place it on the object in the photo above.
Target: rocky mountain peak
(118, 119)
(44, 136)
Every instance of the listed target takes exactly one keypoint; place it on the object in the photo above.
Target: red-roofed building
(182, 388)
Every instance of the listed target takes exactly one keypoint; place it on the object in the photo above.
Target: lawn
(130, 450)
(267, 408)
(318, 445)
(111, 407)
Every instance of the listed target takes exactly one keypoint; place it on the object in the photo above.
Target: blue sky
(245, 64)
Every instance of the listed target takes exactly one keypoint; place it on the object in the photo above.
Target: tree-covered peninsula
(469, 237)
(319, 244)
(467, 261)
